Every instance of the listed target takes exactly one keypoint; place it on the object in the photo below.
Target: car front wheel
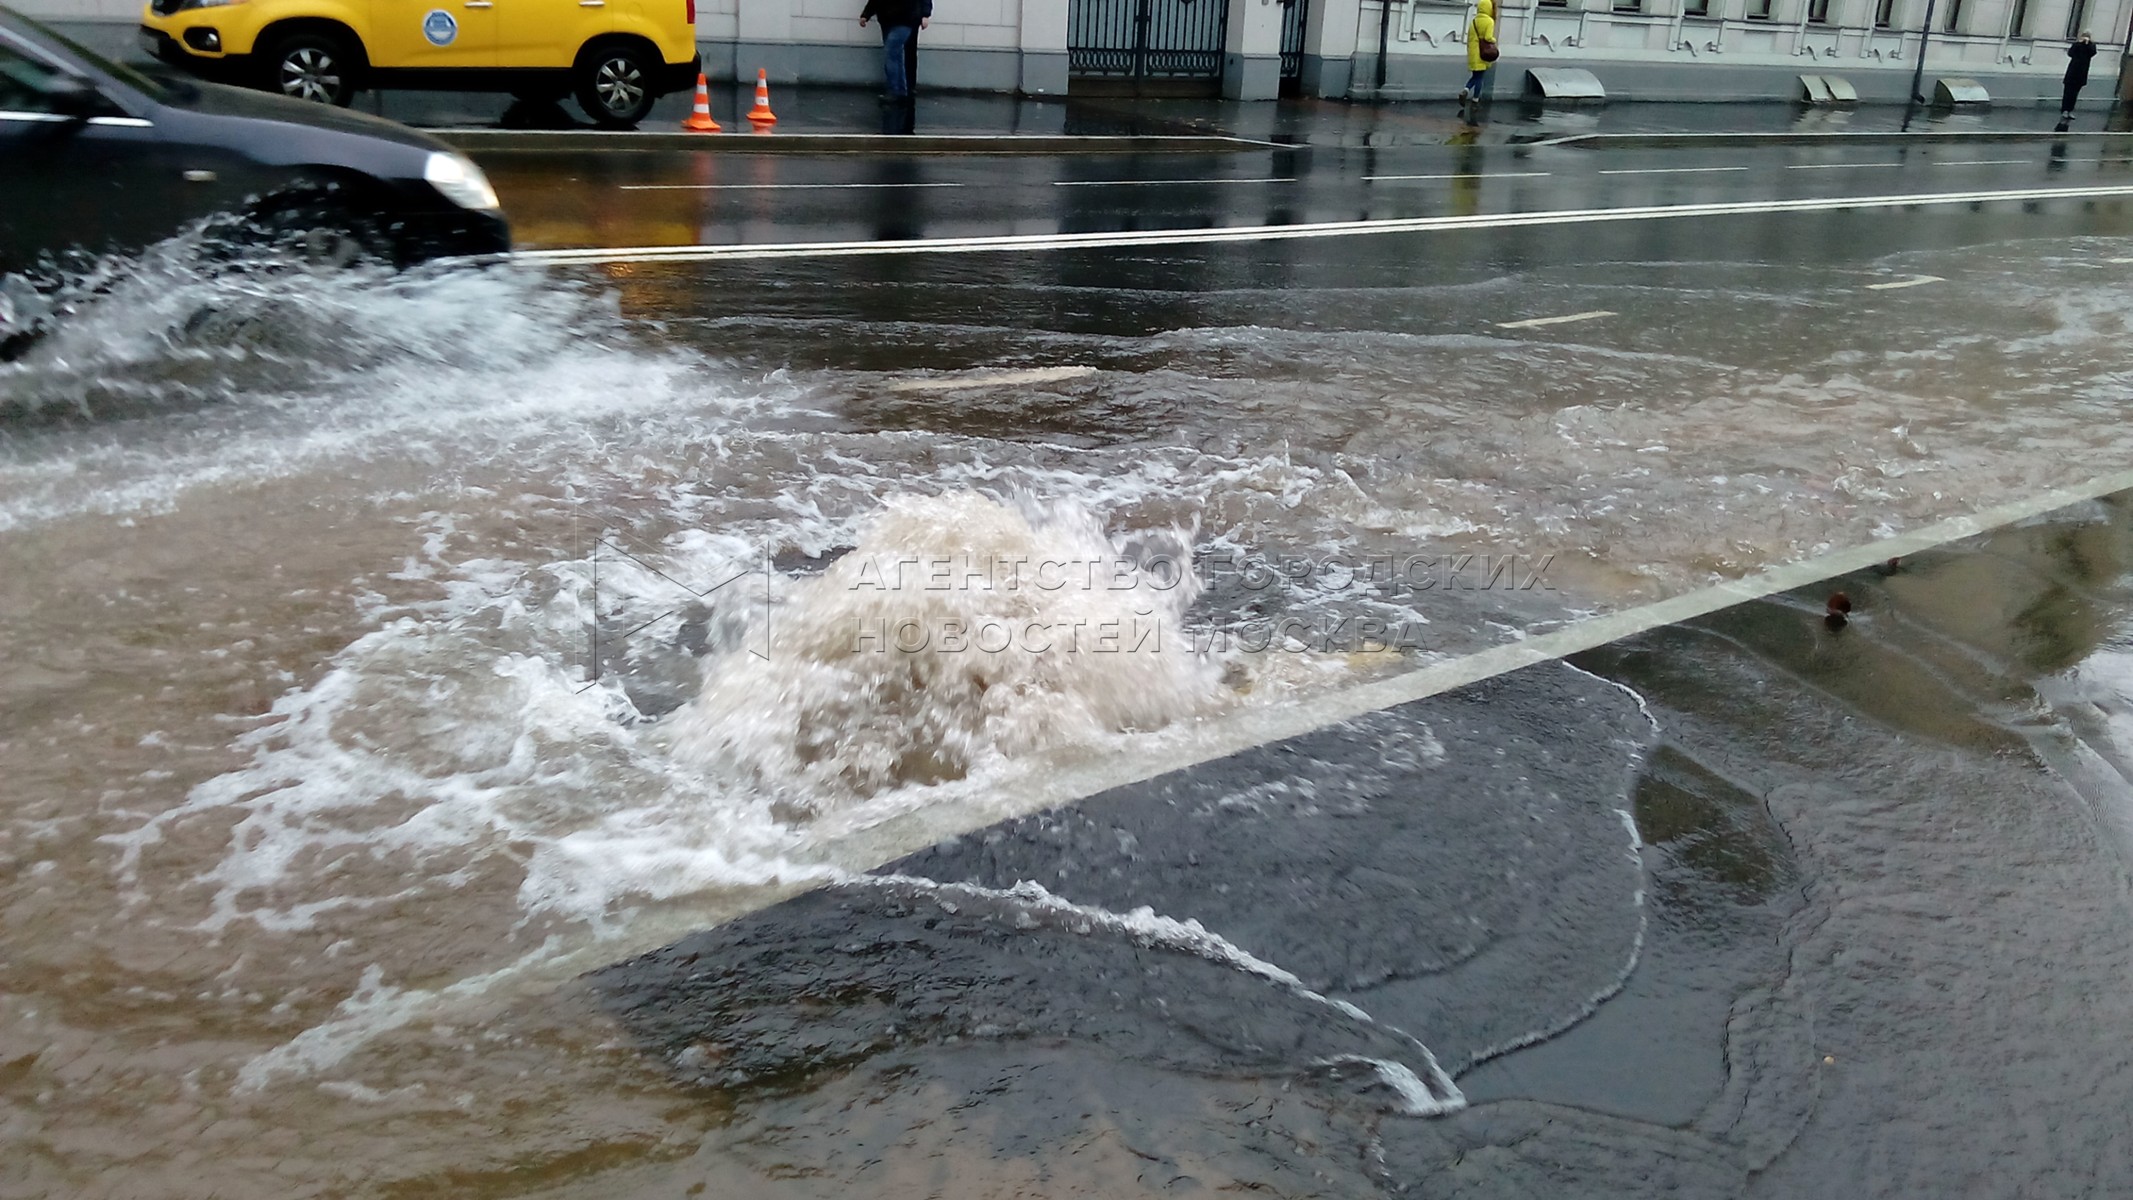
(313, 66)
(323, 229)
(615, 85)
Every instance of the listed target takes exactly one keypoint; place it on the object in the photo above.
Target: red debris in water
(1839, 604)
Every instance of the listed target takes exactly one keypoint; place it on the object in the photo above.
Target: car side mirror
(72, 96)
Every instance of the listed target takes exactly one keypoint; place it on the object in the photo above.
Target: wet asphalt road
(663, 199)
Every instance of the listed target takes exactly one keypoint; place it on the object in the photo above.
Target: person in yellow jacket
(1479, 33)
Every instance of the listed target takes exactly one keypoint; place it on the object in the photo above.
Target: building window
(1884, 13)
(1758, 10)
(2077, 19)
(1554, 3)
(1629, 6)
(2018, 25)
(1818, 12)
(1696, 8)
(1954, 23)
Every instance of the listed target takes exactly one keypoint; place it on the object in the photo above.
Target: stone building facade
(1361, 49)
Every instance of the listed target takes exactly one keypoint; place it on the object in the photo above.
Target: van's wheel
(313, 66)
(615, 85)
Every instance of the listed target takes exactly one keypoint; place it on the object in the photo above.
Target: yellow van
(618, 56)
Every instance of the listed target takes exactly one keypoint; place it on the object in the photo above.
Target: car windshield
(159, 90)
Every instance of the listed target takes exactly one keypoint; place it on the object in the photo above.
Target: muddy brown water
(314, 809)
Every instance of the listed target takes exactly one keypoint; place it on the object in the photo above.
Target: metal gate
(1146, 46)
(1293, 15)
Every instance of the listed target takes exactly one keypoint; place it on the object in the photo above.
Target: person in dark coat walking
(900, 22)
(2077, 73)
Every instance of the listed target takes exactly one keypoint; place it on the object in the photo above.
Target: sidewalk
(821, 110)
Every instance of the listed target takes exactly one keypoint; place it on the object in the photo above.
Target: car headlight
(209, 3)
(457, 178)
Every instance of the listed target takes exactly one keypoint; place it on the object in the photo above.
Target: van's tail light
(692, 10)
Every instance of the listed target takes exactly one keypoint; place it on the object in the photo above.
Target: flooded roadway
(387, 653)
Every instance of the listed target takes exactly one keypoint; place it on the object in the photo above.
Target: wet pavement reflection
(669, 198)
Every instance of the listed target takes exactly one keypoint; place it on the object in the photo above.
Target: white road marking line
(770, 187)
(2119, 260)
(1982, 162)
(1463, 175)
(1272, 233)
(1155, 182)
(1838, 166)
(950, 383)
(1913, 281)
(1537, 322)
(1670, 170)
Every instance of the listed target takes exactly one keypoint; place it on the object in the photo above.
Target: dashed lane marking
(771, 187)
(1267, 233)
(951, 383)
(1670, 170)
(1460, 175)
(1537, 322)
(1983, 162)
(1841, 166)
(1160, 182)
(1913, 281)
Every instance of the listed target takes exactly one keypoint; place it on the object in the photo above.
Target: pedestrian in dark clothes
(2077, 73)
(900, 22)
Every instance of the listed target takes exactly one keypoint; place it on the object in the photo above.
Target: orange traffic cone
(700, 120)
(760, 116)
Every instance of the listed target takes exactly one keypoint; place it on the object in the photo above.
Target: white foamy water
(183, 382)
(960, 632)
(460, 750)
(451, 734)
(1431, 1094)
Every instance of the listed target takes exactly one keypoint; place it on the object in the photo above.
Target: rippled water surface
(387, 652)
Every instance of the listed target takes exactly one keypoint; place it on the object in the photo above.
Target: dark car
(97, 157)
